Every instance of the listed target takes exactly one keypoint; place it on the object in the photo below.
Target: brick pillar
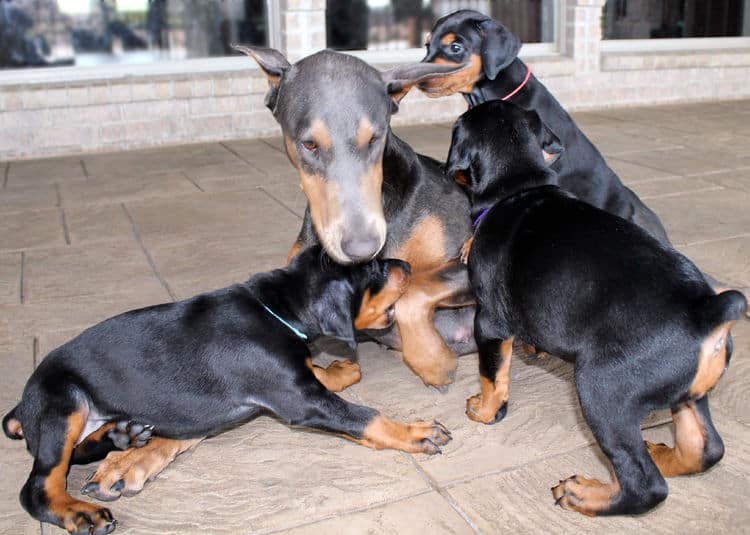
(583, 33)
(303, 27)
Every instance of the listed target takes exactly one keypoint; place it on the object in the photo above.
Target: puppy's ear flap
(458, 163)
(272, 63)
(399, 80)
(552, 147)
(499, 47)
(334, 313)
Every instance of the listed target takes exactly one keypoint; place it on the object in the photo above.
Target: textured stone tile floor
(84, 238)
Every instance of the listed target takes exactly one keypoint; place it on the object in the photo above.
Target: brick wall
(54, 118)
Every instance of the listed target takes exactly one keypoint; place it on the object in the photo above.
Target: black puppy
(492, 71)
(639, 320)
(196, 367)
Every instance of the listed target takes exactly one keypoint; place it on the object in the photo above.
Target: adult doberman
(369, 194)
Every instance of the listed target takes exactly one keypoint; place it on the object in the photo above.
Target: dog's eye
(373, 140)
(310, 145)
(456, 47)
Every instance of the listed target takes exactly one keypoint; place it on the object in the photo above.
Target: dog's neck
(506, 186)
(506, 81)
(284, 293)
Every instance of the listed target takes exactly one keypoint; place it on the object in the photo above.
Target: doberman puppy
(368, 194)
(197, 367)
(491, 70)
(643, 327)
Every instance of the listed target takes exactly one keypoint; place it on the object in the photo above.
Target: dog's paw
(589, 497)
(480, 412)
(127, 434)
(82, 518)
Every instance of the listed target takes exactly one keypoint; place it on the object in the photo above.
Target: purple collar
(480, 217)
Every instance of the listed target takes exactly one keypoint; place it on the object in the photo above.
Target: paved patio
(85, 238)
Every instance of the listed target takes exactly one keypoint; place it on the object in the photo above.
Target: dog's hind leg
(698, 445)
(614, 417)
(44, 495)
(111, 436)
(126, 472)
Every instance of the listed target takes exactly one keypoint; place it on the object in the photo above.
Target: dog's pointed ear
(499, 47)
(272, 63)
(399, 80)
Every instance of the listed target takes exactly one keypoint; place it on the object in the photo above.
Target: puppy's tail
(726, 306)
(12, 425)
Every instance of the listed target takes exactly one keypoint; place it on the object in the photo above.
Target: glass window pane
(649, 19)
(398, 24)
(37, 33)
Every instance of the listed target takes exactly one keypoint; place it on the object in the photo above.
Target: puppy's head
(498, 148)
(482, 47)
(349, 298)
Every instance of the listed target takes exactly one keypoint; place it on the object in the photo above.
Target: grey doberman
(369, 194)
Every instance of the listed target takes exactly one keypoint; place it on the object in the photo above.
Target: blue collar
(291, 327)
(480, 217)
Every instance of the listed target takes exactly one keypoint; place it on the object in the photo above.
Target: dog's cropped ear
(499, 47)
(399, 80)
(272, 63)
(334, 313)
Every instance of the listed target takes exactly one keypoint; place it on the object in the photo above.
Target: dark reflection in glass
(399, 24)
(36, 33)
(648, 19)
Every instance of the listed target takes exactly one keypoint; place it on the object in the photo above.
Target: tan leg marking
(465, 249)
(339, 375)
(136, 466)
(483, 407)
(712, 360)
(416, 437)
(74, 515)
(687, 455)
(586, 496)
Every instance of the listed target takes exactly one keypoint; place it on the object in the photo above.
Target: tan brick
(145, 91)
(203, 87)
(183, 88)
(78, 96)
(120, 93)
(99, 94)
(163, 90)
(11, 100)
(208, 127)
(222, 87)
(113, 132)
(44, 98)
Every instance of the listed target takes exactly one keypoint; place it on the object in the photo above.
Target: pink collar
(517, 89)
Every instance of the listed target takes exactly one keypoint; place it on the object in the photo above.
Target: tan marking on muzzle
(325, 211)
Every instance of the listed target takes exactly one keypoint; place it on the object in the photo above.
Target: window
(402, 24)
(649, 19)
(38, 33)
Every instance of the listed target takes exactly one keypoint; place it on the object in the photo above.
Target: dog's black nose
(361, 248)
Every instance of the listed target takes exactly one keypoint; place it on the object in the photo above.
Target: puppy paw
(481, 412)
(589, 497)
(81, 518)
(127, 434)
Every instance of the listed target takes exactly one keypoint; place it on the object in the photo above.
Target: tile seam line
(265, 141)
(6, 172)
(21, 282)
(241, 158)
(279, 202)
(443, 492)
(460, 481)
(330, 516)
(149, 259)
(193, 182)
(714, 240)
